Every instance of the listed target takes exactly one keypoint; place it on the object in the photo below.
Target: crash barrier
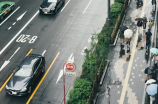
(98, 79)
(114, 34)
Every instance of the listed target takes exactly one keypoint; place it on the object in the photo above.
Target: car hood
(46, 4)
(17, 83)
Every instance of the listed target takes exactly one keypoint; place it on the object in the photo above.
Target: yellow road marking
(42, 78)
(29, 52)
(12, 73)
(130, 64)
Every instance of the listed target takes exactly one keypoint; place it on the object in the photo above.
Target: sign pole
(64, 85)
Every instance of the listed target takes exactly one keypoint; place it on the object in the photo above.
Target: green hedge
(115, 9)
(80, 92)
(120, 1)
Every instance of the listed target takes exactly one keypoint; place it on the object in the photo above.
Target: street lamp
(109, 22)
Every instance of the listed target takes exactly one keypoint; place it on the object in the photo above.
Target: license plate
(14, 93)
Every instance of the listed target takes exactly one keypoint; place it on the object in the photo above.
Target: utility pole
(109, 21)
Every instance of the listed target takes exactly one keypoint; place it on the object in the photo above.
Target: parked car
(25, 75)
(50, 6)
(5, 8)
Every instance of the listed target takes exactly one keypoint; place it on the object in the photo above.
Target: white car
(50, 6)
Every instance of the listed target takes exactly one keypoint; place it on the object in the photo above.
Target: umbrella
(149, 70)
(139, 19)
(152, 89)
(150, 18)
(154, 50)
(128, 33)
(123, 28)
(150, 81)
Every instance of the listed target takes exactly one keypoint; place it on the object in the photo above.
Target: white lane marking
(18, 32)
(87, 7)
(9, 28)
(65, 5)
(71, 58)
(43, 52)
(10, 15)
(7, 62)
(14, 23)
(14, 53)
(21, 16)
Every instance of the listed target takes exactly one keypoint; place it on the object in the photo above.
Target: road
(68, 32)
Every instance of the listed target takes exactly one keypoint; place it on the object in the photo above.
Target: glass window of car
(51, 0)
(5, 6)
(23, 72)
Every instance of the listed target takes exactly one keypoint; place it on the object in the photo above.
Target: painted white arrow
(71, 58)
(4, 64)
(7, 62)
(20, 17)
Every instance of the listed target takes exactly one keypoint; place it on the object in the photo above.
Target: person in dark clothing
(148, 38)
(144, 22)
(153, 2)
(139, 24)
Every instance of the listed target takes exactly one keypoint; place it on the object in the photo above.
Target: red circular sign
(70, 66)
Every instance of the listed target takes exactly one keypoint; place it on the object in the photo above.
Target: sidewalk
(123, 71)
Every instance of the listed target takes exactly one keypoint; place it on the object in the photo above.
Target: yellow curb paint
(121, 101)
(42, 78)
(13, 73)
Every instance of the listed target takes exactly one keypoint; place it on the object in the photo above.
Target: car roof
(29, 60)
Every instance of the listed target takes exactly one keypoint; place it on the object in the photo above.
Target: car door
(36, 70)
(5, 8)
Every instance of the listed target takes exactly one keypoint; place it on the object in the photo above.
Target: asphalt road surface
(56, 36)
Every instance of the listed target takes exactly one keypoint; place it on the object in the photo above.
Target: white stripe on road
(43, 52)
(10, 15)
(87, 7)
(14, 53)
(65, 5)
(18, 32)
(9, 28)
(14, 23)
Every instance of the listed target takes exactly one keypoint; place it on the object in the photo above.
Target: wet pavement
(124, 81)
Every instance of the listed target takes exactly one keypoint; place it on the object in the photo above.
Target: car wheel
(56, 10)
(29, 90)
(12, 8)
(43, 69)
(1, 18)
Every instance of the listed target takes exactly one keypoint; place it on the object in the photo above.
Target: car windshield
(51, 0)
(23, 72)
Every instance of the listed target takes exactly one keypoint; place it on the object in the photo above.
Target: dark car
(25, 75)
(50, 6)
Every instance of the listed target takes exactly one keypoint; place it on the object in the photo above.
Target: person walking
(139, 24)
(148, 39)
(153, 2)
(144, 22)
(150, 24)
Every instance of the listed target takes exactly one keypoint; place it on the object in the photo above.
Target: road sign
(70, 66)
(70, 74)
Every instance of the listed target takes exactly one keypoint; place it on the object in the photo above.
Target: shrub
(115, 9)
(120, 1)
(80, 92)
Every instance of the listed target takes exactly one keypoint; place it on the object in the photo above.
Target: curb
(105, 70)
